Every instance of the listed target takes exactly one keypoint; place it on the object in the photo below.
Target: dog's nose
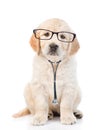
(53, 47)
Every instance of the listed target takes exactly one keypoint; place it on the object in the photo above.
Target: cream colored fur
(39, 91)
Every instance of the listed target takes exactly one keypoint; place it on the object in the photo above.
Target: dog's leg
(66, 107)
(78, 114)
(37, 103)
(41, 111)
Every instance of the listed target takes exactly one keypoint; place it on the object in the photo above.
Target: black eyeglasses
(44, 34)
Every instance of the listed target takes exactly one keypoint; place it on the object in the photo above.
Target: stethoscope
(55, 101)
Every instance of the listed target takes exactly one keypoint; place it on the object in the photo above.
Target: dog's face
(53, 41)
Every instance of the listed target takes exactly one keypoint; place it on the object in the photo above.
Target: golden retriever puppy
(54, 87)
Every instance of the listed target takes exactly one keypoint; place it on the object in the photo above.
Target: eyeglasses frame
(74, 35)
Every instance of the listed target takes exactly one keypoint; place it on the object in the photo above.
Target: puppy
(55, 45)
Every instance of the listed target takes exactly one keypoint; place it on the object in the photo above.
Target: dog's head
(54, 40)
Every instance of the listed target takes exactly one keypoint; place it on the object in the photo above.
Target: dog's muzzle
(53, 49)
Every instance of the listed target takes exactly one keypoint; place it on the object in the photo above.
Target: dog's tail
(21, 113)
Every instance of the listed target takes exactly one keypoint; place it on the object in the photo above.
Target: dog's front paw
(39, 120)
(68, 120)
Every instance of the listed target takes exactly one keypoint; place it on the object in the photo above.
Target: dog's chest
(47, 79)
(48, 76)
(43, 73)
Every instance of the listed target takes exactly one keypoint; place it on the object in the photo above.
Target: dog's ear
(35, 44)
(74, 47)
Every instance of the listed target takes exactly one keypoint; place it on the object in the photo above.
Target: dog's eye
(62, 36)
(47, 34)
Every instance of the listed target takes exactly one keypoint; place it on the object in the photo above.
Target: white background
(17, 20)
